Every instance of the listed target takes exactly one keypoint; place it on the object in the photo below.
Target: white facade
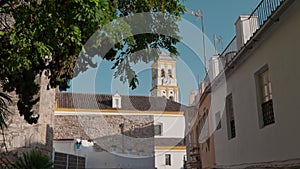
(164, 84)
(105, 160)
(176, 159)
(254, 144)
(169, 124)
(172, 125)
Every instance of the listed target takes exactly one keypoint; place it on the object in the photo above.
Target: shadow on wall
(137, 141)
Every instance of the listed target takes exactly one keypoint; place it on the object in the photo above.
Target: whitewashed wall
(68, 147)
(107, 160)
(279, 142)
(176, 159)
(173, 125)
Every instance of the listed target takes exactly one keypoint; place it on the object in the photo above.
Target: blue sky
(220, 15)
(219, 18)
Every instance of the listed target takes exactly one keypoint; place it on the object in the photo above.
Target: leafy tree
(47, 36)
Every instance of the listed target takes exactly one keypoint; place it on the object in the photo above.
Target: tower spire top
(164, 56)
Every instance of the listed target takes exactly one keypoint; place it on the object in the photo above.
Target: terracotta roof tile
(104, 101)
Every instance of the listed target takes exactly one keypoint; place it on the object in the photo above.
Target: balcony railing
(194, 149)
(193, 164)
(193, 159)
(256, 20)
(265, 9)
(230, 49)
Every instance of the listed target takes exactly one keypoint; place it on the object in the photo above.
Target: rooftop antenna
(215, 44)
(199, 15)
(198, 81)
(217, 40)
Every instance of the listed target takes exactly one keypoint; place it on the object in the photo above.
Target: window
(230, 117)
(129, 151)
(158, 129)
(170, 73)
(113, 148)
(162, 73)
(168, 159)
(218, 120)
(163, 93)
(141, 153)
(194, 134)
(265, 86)
(204, 123)
(265, 97)
(117, 103)
(205, 112)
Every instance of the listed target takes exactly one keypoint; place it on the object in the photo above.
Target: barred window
(205, 125)
(218, 120)
(230, 117)
(266, 102)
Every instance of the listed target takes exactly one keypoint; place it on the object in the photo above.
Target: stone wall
(137, 135)
(21, 136)
(94, 126)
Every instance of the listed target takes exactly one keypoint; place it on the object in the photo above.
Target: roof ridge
(112, 95)
(169, 101)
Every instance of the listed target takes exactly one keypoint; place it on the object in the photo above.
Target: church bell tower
(164, 82)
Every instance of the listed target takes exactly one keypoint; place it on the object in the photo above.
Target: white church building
(125, 131)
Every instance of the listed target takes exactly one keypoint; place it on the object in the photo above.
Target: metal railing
(257, 19)
(265, 9)
(231, 47)
(268, 114)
